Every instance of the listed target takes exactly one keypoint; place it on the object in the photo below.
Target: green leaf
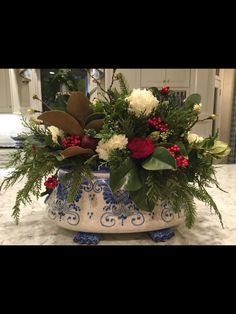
(59, 157)
(192, 100)
(141, 200)
(183, 150)
(95, 116)
(161, 159)
(125, 177)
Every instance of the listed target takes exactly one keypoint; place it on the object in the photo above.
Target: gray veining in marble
(36, 229)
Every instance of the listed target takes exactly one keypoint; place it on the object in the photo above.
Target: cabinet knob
(168, 81)
(164, 81)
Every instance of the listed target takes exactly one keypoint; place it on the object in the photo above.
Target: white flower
(104, 147)
(197, 108)
(55, 132)
(142, 102)
(192, 137)
(118, 142)
(102, 150)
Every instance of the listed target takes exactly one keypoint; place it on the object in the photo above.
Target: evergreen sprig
(76, 177)
(123, 84)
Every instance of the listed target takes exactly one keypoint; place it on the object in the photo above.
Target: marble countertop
(36, 229)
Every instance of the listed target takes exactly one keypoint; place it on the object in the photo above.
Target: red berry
(165, 90)
(51, 183)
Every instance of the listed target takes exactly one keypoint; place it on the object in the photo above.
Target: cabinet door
(178, 77)
(153, 77)
(132, 77)
(5, 97)
(205, 82)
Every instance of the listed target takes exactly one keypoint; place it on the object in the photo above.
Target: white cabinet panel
(5, 97)
(132, 77)
(152, 77)
(204, 85)
(144, 78)
(178, 77)
(175, 78)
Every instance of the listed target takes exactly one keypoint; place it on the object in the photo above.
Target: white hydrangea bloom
(142, 102)
(102, 150)
(104, 147)
(55, 132)
(192, 137)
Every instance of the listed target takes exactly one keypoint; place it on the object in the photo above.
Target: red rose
(140, 147)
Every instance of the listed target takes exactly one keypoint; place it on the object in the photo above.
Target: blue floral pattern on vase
(115, 209)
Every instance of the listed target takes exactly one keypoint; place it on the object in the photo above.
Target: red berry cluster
(70, 141)
(51, 183)
(173, 150)
(158, 124)
(165, 90)
(180, 160)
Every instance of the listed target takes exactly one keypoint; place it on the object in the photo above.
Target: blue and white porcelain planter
(97, 210)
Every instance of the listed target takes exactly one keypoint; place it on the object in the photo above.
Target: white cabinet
(175, 78)
(132, 77)
(5, 95)
(17, 96)
(152, 77)
(204, 85)
(9, 91)
(178, 79)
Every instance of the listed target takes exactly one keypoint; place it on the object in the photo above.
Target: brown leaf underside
(76, 151)
(78, 106)
(63, 121)
(95, 124)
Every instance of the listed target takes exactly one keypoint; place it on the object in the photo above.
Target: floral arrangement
(142, 136)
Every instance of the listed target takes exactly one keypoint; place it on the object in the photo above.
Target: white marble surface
(36, 229)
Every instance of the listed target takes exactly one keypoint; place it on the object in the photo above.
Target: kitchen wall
(226, 104)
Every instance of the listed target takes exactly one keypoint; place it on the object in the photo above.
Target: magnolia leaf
(192, 100)
(78, 106)
(161, 159)
(76, 151)
(95, 124)
(95, 116)
(125, 177)
(222, 154)
(63, 121)
(218, 147)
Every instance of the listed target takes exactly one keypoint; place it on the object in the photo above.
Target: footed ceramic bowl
(97, 210)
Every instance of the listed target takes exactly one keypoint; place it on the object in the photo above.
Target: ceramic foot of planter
(87, 238)
(161, 235)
